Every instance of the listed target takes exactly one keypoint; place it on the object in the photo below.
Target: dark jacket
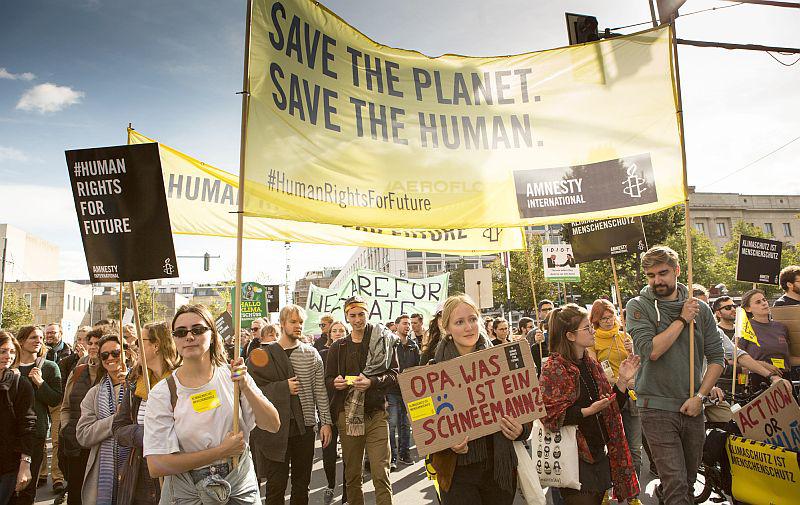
(407, 357)
(77, 386)
(68, 364)
(17, 420)
(335, 365)
(49, 394)
(135, 483)
(58, 352)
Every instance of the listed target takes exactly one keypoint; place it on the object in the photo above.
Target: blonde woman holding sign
(484, 470)
(187, 437)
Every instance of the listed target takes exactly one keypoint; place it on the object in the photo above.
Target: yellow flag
(345, 130)
(202, 201)
(743, 327)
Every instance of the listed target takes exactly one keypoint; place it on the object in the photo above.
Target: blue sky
(76, 72)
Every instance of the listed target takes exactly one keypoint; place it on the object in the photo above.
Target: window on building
(27, 297)
(787, 229)
(471, 264)
(187, 290)
(434, 268)
(768, 229)
(68, 300)
(415, 268)
(700, 228)
(433, 255)
(413, 254)
(42, 301)
(722, 231)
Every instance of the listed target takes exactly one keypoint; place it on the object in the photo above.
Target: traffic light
(206, 262)
(581, 28)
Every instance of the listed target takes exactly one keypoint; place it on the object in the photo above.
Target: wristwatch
(701, 396)
(26, 459)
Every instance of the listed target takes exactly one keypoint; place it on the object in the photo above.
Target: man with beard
(790, 282)
(659, 320)
(291, 375)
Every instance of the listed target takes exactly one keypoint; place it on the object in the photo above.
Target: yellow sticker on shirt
(422, 408)
(205, 401)
(777, 362)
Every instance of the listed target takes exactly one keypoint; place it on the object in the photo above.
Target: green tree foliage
(456, 284)
(145, 301)
(521, 295)
(16, 312)
(705, 260)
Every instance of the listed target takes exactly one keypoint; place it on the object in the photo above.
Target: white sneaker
(327, 496)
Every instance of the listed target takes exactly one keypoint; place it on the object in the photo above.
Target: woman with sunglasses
(188, 436)
(136, 486)
(772, 350)
(17, 423)
(93, 431)
(576, 392)
(45, 377)
(80, 381)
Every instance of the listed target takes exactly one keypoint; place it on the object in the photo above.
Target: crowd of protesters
(129, 435)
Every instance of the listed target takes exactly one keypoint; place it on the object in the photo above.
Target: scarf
(560, 382)
(141, 387)
(112, 456)
(610, 345)
(379, 358)
(504, 456)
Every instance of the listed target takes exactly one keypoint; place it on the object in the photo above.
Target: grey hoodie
(664, 384)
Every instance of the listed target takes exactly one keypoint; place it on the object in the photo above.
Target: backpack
(9, 384)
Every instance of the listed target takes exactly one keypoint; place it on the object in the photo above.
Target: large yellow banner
(344, 130)
(202, 201)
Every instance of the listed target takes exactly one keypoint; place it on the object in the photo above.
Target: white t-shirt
(202, 416)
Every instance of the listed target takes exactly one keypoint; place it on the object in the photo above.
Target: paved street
(409, 484)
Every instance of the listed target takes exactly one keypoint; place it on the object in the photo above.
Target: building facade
(64, 302)
(320, 278)
(27, 257)
(715, 214)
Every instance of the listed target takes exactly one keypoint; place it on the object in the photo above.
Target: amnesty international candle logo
(122, 212)
(605, 185)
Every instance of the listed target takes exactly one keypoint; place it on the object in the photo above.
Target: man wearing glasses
(323, 341)
(790, 282)
(725, 311)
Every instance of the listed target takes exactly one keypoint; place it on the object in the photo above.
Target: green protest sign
(254, 302)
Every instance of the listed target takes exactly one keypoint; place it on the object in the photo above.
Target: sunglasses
(322, 325)
(106, 354)
(728, 307)
(196, 330)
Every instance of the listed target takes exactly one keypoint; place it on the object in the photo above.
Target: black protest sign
(595, 240)
(273, 297)
(224, 324)
(759, 260)
(605, 185)
(122, 213)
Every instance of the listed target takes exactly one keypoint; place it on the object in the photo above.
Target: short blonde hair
(659, 255)
(450, 305)
(290, 309)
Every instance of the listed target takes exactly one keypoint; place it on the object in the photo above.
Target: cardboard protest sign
(594, 240)
(224, 324)
(386, 137)
(469, 395)
(763, 474)
(559, 264)
(773, 417)
(790, 316)
(122, 213)
(759, 260)
(387, 296)
(254, 302)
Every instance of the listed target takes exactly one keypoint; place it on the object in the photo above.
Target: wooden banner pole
(237, 292)
(140, 336)
(687, 218)
(121, 336)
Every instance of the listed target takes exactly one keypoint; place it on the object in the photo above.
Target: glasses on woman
(195, 330)
(607, 319)
(588, 327)
(107, 354)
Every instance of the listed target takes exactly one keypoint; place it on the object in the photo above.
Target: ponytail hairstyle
(561, 321)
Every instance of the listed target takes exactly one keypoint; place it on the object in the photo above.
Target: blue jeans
(676, 442)
(633, 433)
(398, 423)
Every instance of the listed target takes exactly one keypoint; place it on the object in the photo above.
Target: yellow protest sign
(743, 328)
(762, 473)
(344, 130)
(202, 201)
